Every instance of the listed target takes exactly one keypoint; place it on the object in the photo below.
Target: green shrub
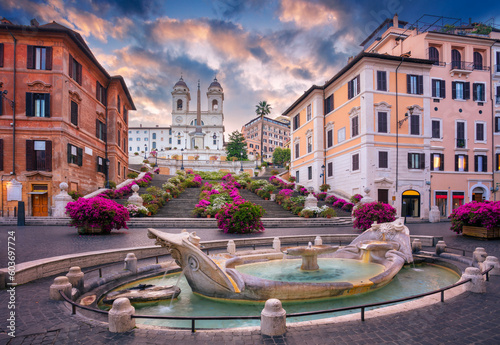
(153, 208)
(132, 174)
(112, 184)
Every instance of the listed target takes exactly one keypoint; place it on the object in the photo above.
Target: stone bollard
(273, 197)
(231, 247)
(135, 198)
(131, 263)
(479, 255)
(318, 241)
(477, 285)
(273, 318)
(277, 244)
(440, 247)
(434, 215)
(492, 261)
(60, 283)
(61, 200)
(119, 316)
(416, 246)
(75, 277)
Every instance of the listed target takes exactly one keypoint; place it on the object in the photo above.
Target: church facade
(196, 129)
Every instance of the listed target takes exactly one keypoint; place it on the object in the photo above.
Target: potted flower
(307, 213)
(324, 187)
(320, 196)
(366, 214)
(477, 219)
(328, 213)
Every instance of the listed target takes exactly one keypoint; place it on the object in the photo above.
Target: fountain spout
(310, 255)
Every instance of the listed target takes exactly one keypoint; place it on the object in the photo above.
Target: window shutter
(420, 87)
(434, 82)
(454, 90)
(74, 113)
(442, 85)
(408, 83)
(349, 90)
(358, 84)
(1, 54)
(1, 105)
(409, 160)
(474, 92)
(79, 73)
(422, 161)
(441, 162)
(1, 154)
(476, 163)
(29, 104)
(30, 155)
(70, 66)
(48, 155)
(79, 152)
(47, 104)
(97, 91)
(69, 153)
(379, 80)
(483, 90)
(456, 162)
(48, 58)
(30, 63)
(466, 158)
(105, 132)
(97, 132)
(467, 90)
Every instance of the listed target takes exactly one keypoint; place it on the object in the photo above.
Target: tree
(236, 146)
(281, 156)
(262, 109)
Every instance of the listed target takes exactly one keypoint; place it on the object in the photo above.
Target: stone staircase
(273, 210)
(182, 206)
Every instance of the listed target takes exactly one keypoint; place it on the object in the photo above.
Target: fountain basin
(144, 294)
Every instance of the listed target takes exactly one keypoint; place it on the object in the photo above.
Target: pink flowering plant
(483, 214)
(356, 198)
(97, 212)
(240, 218)
(366, 214)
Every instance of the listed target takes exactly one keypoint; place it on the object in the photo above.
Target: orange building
(62, 117)
(276, 133)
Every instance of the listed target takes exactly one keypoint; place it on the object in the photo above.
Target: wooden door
(40, 204)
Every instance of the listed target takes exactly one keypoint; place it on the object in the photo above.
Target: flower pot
(481, 232)
(87, 230)
(266, 198)
(209, 216)
(328, 216)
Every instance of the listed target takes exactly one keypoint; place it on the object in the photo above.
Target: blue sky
(269, 50)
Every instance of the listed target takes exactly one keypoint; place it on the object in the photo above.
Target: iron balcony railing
(468, 66)
(461, 143)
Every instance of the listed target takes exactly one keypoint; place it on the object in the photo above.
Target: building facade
(63, 117)
(276, 133)
(146, 139)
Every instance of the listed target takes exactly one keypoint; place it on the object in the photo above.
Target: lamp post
(145, 150)
(323, 173)
(241, 161)
(182, 159)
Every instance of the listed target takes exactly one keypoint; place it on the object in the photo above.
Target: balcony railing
(460, 143)
(468, 66)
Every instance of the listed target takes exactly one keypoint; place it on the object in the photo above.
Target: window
(478, 92)
(309, 113)
(119, 137)
(75, 70)
(309, 173)
(251, 146)
(170, 140)
(119, 168)
(381, 80)
(264, 140)
(154, 144)
(178, 141)
(497, 124)
(434, 55)
(74, 113)
(354, 126)
(118, 103)
(382, 122)
(480, 131)
(146, 139)
(383, 159)
(353, 87)
(329, 138)
(480, 163)
(38, 104)
(38, 155)
(329, 169)
(460, 90)
(309, 144)
(75, 155)
(461, 163)
(297, 152)
(101, 130)
(154, 135)
(100, 93)
(39, 58)
(456, 59)
(478, 61)
(461, 142)
(416, 160)
(138, 139)
(437, 162)
(438, 88)
(355, 162)
(341, 135)
(297, 175)
(497, 164)
(100, 164)
(179, 104)
(415, 124)
(296, 121)
(130, 148)
(436, 129)
(329, 104)
(415, 84)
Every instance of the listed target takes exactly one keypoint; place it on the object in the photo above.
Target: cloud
(307, 14)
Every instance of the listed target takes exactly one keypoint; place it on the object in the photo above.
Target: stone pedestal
(119, 316)
(492, 261)
(318, 241)
(231, 247)
(311, 201)
(434, 215)
(60, 283)
(366, 199)
(416, 246)
(61, 200)
(479, 255)
(131, 263)
(477, 284)
(273, 318)
(75, 277)
(135, 198)
(440, 247)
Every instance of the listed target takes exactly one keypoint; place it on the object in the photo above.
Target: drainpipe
(493, 190)
(106, 161)
(397, 126)
(324, 138)
(13, 108)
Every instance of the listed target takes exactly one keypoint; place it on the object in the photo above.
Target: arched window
(194, 123)
(434, 55)
(215, 105)
(478, 61)
(154, 135)
(179, 104)
(456, 59)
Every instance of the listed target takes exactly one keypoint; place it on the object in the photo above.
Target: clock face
(215, 120)
(178, 119)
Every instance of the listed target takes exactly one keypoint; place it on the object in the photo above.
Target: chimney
(395, 21)
(34, 22)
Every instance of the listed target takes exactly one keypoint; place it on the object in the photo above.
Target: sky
(270, 50)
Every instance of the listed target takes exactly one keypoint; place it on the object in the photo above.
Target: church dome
(215, 85)
(181, 85)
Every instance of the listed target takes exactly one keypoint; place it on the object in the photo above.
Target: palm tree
(263, 109)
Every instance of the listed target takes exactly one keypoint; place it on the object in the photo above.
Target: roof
(385, 22)
(346, 68)
(181, 83)
(77, 39)
(215, 83)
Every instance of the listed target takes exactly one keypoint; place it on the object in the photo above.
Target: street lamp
(241, 161)
(182, 159)
(145, 150)
(323, 173)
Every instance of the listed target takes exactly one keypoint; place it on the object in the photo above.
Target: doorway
(40, 200)
(478, 194)
(383, 195)
(410, 204)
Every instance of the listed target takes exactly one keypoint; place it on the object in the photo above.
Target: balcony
(461, 143)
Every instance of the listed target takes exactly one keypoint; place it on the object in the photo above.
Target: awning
(441, 196)
(38, 193)
(458, 196)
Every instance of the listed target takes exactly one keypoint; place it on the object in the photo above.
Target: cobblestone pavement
(466, 319)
